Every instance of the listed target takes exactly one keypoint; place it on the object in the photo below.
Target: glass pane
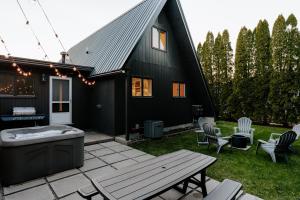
(6, 84)
(136, 87)
(163, 40)
(182, 90)
(60, 90)
(24, 86)
(155, 38)
(175, 90)
(147, 84)
(60, 107)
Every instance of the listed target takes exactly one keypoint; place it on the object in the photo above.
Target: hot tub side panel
(23, 163)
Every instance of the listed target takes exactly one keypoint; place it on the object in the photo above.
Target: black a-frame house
(146, 68)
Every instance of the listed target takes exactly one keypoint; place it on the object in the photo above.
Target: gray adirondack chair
(280, 146)
(244, 128)
(275, 136)
(214, 138)
(201, 138)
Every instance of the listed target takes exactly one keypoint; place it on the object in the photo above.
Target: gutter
(108, 74)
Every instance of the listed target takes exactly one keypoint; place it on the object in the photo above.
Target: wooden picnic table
(153, 177)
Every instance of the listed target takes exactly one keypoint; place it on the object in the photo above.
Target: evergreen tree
(241, 101)
(217, 65)
(277, 95)
(226, 74)
(297, 75)
(206, 58)
(262, 61)
(199, 51)
(291, 63)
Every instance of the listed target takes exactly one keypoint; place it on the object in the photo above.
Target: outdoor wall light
(44, 78)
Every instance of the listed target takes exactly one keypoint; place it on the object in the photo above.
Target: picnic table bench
(227, 190)
(153, 177)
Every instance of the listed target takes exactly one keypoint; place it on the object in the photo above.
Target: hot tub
(29, 153)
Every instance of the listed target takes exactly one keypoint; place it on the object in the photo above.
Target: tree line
(261, 80)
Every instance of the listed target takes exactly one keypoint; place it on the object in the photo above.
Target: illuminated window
(136, 87)
(141, 87)
(163, 41)
(179, 89)
(175, 90)
(12, 85)
(7, 85)
(24, 86)
(182, 89)
(159, 39)
(147, 87)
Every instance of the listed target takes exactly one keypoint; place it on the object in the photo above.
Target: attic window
(159, 39)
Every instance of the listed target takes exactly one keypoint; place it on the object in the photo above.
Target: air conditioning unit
(153, 129)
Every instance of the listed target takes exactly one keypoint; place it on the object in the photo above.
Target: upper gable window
(159, 39)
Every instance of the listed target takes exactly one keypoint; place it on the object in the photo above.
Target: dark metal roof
(42, 63)
(109, 47)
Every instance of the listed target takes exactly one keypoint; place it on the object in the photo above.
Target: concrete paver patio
(99, 158)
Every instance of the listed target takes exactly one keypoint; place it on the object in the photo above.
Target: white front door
(60, 100)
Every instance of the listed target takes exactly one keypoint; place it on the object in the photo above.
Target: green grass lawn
(258, 174)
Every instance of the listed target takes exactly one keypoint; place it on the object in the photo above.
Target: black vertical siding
(80, 104)
(102, 106)
(120, 105)
(164, 68)
(201, 93)
(41, 99)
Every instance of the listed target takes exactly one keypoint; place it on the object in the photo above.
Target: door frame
(51, 78)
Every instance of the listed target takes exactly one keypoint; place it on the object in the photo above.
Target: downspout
(126, 107)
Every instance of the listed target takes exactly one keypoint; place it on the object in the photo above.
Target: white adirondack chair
(296, 129)
(244, 128)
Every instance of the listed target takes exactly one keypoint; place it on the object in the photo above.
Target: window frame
(160, 30)
(132, 87)
(142, 87)
(179, 90)
(14, 95)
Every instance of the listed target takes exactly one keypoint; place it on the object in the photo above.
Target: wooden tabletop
(153, 176)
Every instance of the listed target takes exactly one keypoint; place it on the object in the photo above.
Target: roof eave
(42, 63)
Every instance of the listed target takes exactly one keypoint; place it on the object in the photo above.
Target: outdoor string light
(13, 63)
(51, 66)
(80, 76)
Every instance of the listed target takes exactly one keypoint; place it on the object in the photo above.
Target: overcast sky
(76, 19)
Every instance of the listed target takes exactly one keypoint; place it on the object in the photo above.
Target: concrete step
(92, 137)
